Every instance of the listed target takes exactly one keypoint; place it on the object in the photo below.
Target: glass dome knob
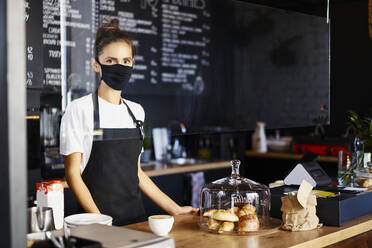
(235, 164)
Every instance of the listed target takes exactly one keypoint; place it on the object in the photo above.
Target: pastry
(248, 223)
(364, 183)
(209, 212)
(367, 183)
(241, 213)
(213, 224)
(225, 215)
(234, 210)
(247, 209)
(226, 227)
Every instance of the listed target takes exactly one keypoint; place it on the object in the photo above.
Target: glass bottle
(345, 172)
(259, 143)
(357, 154)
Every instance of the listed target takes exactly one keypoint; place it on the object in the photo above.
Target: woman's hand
(185, 210)
(76, 183)
(162, 200)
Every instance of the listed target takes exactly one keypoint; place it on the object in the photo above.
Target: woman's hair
(110, 32)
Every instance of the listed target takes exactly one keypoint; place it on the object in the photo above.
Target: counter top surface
(288, 155)
(186, 233)
(160, 169)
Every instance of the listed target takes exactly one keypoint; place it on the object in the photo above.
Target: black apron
(111, 174)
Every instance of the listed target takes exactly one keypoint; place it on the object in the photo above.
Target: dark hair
(110, 32)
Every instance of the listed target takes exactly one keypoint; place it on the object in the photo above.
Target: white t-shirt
(76, 132)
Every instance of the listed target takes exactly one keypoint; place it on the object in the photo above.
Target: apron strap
(138, 123)
(95, 110)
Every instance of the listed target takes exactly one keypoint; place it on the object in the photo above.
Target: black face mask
(116, 76)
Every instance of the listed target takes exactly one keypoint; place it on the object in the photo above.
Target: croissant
(248, 223)
(226, 227)
(247, 209)
(225, 215)
(234, 210)
(213, 224)
(209, 213)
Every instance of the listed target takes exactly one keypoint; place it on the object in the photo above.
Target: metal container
(40, 219)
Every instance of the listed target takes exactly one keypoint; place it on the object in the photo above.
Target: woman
(101, 138)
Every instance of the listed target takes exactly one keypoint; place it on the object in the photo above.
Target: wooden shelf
(288, 156)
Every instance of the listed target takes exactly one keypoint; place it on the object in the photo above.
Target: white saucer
(87, 218)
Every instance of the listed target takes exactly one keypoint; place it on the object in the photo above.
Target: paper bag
(299, 211)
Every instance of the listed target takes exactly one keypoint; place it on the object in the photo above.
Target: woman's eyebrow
(116, 59)
(113, 58)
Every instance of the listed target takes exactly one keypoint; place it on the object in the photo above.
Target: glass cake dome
(235, 205)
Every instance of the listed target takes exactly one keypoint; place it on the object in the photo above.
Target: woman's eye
(109, 61)
(127, 61)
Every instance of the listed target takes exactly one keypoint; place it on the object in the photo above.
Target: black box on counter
(332, 211)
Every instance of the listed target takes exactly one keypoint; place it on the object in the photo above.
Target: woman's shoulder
(136, 108)
(80, 106)
(84, 100)
(82, 103)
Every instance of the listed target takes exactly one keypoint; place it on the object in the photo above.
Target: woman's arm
(76, 183)
(152, 191)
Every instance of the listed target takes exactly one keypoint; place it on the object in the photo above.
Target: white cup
(161, 224)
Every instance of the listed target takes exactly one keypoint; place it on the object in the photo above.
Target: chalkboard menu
(43, 50)
(204, 62)
(172, 39)
(34, 48)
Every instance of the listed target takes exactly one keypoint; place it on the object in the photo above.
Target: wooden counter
(186, 233)
(288, 155)
(161, 169)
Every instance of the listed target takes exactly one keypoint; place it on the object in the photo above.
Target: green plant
(362, 126)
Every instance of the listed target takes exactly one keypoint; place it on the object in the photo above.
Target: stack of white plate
(86, 219)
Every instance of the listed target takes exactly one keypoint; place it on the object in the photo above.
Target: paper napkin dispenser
(309, 171)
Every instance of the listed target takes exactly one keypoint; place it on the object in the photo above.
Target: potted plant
(362, 126)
